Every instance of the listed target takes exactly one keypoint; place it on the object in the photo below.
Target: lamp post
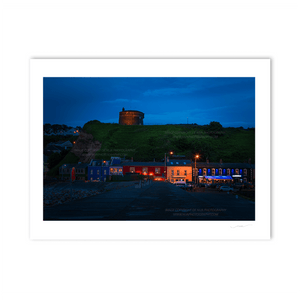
(196, 156)
(171, 153)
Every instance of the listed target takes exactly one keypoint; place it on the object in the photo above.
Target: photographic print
(149, 148)
(171, 148)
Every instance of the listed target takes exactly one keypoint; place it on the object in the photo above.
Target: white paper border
(151, 230)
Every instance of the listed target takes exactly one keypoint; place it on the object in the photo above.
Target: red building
(155, 169)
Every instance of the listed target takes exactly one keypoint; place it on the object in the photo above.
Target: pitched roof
(141, 164)
(178, 162)
(225, 165)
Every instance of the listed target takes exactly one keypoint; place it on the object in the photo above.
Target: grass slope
(148, 142)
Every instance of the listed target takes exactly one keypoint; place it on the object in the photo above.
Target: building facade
(98, 170)
(80, 171)
(179, 170)
(212, 172)
(155, 169)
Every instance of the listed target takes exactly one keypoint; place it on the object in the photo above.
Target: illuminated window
(132, 169)
(145, 170)
(204, 172)
(245, 172)
(104, 172)
(220, 171)
(157, 170)
(236, 171)
(228, 172)
(213, 172)
(120, 170)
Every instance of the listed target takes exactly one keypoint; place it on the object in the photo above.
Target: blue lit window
(224, 172)
(208, 172)
(217, 171)
(232, 171)
(200, 172)
(241, 172)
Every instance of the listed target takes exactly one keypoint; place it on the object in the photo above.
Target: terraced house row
(172, 170)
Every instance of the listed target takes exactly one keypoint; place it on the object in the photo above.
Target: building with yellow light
(179, 170)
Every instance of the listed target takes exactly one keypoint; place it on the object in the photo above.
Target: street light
(171, 153)
(196, 156)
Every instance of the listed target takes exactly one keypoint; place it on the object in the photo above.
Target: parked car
(225, 188)
(180, 183)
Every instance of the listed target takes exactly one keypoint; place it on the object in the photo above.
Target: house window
(91, 172)
(185, 172)
(157, 170)
(245, 172)
(172, 172)
(111, 170)
(228, 172)
(178, 173)
(104, 172)
(132, 169)
(120, 170)
(204, 172)
(220, 171)
(213, 172)
(97, 172)
(145, 170)
(236, 171)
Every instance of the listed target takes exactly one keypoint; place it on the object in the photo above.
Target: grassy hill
(148, 142)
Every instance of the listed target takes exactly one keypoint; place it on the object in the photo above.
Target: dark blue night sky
(164, 100)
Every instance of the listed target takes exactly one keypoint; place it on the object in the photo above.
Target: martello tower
(131, 117)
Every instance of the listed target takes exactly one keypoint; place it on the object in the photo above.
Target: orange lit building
(179, 170)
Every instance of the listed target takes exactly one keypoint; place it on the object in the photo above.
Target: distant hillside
(148, 142)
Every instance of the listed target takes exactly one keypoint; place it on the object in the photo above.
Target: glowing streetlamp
(196, 156)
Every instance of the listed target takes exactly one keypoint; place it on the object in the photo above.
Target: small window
(236, 171)
(184, 163)
(91, 172)
(104, 172)
(171, 163)
(245, 172)
(178, 173)
(220, 171)
(204, 172)
(132, 169)
(176, 162)
(172, 172)
(185, 172)
(145, 170)
(213, 172)
(228, 172)
(157, 170)
(97, 172)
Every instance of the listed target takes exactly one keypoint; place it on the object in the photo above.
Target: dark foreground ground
(157, 201)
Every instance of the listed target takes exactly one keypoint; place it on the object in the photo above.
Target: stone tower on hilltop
(131, 117)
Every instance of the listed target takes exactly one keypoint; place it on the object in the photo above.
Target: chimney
(221, 161)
